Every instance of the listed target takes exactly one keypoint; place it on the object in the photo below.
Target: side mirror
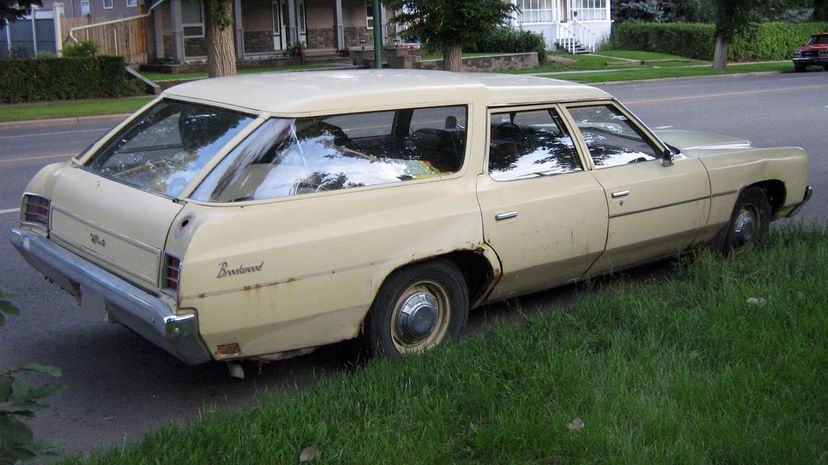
(667, 157)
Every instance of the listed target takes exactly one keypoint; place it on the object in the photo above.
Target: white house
(573, 25)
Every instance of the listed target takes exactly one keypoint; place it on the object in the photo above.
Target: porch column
(158, 29)
(340, 31)
(58, 33)
(177, 30)
(237, 20)
(293, 30)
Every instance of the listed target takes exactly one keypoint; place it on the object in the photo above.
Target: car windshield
(818, 40)
(164, 148)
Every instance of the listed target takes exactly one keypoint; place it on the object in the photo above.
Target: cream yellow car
(263, 216)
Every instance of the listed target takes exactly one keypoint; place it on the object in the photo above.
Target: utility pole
(377, 35)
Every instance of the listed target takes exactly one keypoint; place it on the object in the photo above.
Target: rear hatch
(118, 227)
(116, 209)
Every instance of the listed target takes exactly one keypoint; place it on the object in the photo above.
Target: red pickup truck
(813, 53)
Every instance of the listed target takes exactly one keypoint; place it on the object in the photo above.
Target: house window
(369, 15)
(192, 18)
(591, 10)
(131, 3)
(107, 4)
(85, 11)
(536, 11)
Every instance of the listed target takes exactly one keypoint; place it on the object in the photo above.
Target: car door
(654, 210)
(543, 212)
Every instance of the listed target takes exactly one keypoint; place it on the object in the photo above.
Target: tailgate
(118, 227)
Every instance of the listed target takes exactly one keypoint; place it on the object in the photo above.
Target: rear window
(165, 147)
(287, 157)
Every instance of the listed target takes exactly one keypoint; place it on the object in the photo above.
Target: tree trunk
(453, 58)
(221, 52)
(720, 55)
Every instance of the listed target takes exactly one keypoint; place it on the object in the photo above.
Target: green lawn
(610, 59)
(635, 74)
(724, 362)
(67, 109)
(156, 77)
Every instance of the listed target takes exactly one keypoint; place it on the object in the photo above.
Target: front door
(654, 210)
(543, 212)
(282, 30)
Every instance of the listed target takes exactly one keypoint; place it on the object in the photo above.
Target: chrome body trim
(148, 315)
(116, 234)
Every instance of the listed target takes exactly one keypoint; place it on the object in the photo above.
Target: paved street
(118, 386)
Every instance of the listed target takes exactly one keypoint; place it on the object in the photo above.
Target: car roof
(317, 92)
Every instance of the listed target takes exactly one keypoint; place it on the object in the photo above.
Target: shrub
(511, 40)
(770, 41)
(32, 80)
(82, 49)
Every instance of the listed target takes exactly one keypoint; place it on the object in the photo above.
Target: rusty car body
(262, 216)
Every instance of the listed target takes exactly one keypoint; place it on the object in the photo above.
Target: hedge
(510, 40)
(770, 41)
(31, 80)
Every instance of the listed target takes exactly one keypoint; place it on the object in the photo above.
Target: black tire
(825, 67)
(749, 222)
(799, 68)
(418, 308)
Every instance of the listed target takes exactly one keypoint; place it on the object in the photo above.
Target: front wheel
(799, 68)
(750, 220)
(418, 308)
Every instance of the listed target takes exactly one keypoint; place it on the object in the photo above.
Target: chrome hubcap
(417, 317)
(420, 318)
(744, 225)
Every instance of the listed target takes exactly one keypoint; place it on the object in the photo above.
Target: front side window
(164, 148)
(528, 144)
(287, 157)
(611, 137)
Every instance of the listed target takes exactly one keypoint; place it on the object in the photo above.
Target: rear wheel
(750, 220)
(418, 308)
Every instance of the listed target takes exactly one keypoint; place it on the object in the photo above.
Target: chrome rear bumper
(142, 312)
(809, 191)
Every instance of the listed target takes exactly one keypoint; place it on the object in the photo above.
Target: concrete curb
(117, 118)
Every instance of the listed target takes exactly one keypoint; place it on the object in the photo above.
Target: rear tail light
(35, 210)
(171, 272)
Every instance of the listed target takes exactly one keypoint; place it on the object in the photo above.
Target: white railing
(575, 33)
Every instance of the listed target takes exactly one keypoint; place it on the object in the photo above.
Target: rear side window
(528, 144)
(165, 147)
(286, 157)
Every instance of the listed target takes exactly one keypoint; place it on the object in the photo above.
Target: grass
(671, 72)
(66, 109)
(157, 77)
(610, 59)
(723, 362)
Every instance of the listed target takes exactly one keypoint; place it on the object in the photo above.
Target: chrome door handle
(618, 194)
(505, 216)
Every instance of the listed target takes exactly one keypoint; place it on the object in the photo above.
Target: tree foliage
(19, 400)
(449, 24)
(13, 10)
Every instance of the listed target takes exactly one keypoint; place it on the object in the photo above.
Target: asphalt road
(117, 386)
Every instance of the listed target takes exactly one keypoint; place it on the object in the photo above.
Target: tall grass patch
(723, 362)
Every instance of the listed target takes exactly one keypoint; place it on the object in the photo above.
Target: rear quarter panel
(731, 172)
(322, 258)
